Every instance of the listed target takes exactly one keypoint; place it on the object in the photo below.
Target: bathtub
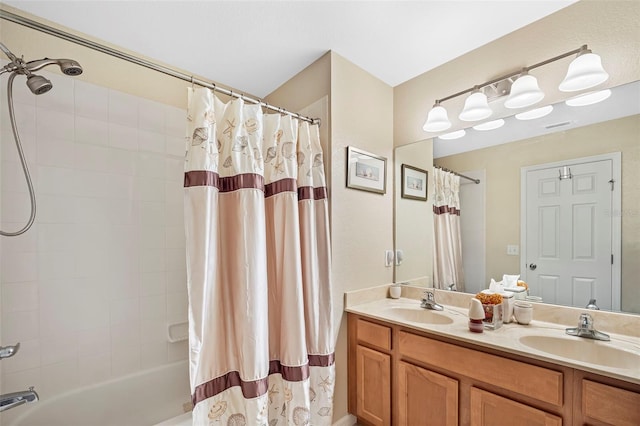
(145, 398)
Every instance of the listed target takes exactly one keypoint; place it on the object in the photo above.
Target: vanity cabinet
(405, 377)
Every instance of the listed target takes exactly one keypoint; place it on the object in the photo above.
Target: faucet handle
(428, 295)
(586, 321)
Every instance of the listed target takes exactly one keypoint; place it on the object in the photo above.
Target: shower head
(38, 84)
(67, 66)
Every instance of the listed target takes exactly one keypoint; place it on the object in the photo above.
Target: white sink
(419, 315)
(585, 350)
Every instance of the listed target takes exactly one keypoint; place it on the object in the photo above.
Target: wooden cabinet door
(608, 405)
(490, 409)
(425, 397)
(373, 378)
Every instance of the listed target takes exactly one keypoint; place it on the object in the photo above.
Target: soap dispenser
(476, 315)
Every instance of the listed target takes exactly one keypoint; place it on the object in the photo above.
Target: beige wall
(503, 189)
(610, 28)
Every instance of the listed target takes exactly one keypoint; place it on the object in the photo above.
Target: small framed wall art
(414, 183)
(366, 171)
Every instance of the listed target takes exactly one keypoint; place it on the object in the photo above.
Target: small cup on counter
(395, 290)
(523, 312)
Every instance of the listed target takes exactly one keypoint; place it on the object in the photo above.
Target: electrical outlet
(388, 258)
(513, 250)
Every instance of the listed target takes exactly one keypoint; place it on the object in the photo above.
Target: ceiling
(256, 46)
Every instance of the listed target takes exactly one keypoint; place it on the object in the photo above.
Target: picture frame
(414, 183)
(366, 171)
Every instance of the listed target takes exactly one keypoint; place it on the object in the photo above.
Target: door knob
(533, 266)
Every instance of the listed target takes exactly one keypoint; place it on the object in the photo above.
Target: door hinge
(612, 259)
(612, 182)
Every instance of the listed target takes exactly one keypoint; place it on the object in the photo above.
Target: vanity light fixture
(589, 98)
(584, 72)
(490, 125)
(476, 107)
(453, 135)
(437, 120)
(535, 113)
(524, 92)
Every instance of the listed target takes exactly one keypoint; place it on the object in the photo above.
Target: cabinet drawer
(374, 334)
(609, 404)
(529, 380)
(491, 409)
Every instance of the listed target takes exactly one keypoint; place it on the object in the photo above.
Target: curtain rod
(12, 17)
(476, 181)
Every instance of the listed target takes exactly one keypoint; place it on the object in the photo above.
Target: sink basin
(419, 315)
(584, 350)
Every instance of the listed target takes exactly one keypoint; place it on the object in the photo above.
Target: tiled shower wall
(90, 289)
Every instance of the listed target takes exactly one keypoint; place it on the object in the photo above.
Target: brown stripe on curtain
(322, 360)
(283, 185)
(446, 209)
(310, 193)
(224, 184)
(252, 389)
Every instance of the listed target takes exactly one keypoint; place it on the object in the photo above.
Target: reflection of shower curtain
(260, 311)
(447, 254)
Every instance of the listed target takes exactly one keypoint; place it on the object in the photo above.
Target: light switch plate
(513, 250)
(388, 258)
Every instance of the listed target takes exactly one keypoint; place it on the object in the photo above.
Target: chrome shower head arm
(67, 66)
(7, 52)
(37, 64)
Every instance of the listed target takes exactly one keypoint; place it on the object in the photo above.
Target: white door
(568, 234)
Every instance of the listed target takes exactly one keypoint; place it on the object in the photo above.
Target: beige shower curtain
(447, 253)
(260, 334)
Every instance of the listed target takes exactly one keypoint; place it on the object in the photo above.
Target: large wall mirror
(491, 211)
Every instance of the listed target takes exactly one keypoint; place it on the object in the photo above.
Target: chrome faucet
(11, 400)
(585, 329)
(592, 305)
(429, 301)
(9, 351)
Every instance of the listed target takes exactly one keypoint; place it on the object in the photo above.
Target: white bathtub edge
(348, 420)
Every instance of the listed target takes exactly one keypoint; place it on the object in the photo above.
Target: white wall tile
(176, 281)
(91, 131)
(123, 137)
(25, 116)
(57, 153)
(151, 165)
(177, 306)
(153, 330)
(125, 335)
(12, 177)
(18, 297)
(173, 191)
(60, 97)
(125, 311)
(152, 283)
(150, 189)
(58, 378)
(175, 237)
(56, 265)
(29, 357)
(88, 210)
(174, 213)
(91, 101)
(151, 142)
(90, 184)
(123, 109)
(152, 213)
(174, 169)
(20, 326)
(178, 351)
(21, 380)
(94, 341)
(152, 236)
(55, 180)
(16, 207)
(121, 186)
(153, 307)
(123, 287)
(176, 121)
(151, 116)
(55, 209)
(21, 243)
(59, 348)
(176, 146)
(21, 93)
(123, 161)
(124, 360)
(19, 267)
(54, 125)
(153, 354)
(92, 157)
(56, 237)
(152, 260)
(94, 368)
(175, 259)
(8, 149)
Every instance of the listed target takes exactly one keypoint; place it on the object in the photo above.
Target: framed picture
(366, 171)
(414, 183)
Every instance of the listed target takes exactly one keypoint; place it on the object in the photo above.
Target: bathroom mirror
(610, 126)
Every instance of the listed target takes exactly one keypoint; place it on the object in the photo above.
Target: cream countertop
(547, 322)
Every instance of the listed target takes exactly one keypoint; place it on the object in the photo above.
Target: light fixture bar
(581, 49)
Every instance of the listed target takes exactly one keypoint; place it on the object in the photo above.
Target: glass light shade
(584, 72)
(453, 135)
(524, 92)
(535, 113)
(476, 107)
(490, 125)
(589, 98)
(437, 120)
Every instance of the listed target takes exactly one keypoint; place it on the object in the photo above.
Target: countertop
(575, 351)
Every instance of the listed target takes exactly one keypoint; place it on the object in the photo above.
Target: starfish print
(231, 124)
(273, 391)
(325, 384)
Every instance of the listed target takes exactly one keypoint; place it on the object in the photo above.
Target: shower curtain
(447, 253)
(260, 308)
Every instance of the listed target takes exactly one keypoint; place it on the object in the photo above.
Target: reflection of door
(568, 231)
